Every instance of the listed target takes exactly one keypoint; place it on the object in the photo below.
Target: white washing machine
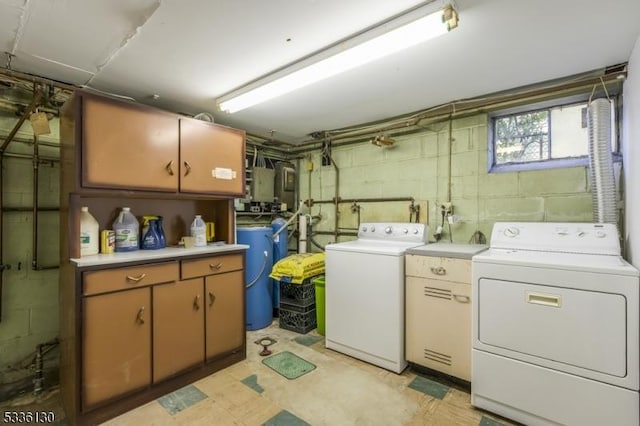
(555, 326)
(364, 293)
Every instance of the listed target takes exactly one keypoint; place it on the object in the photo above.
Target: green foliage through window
(522, 137)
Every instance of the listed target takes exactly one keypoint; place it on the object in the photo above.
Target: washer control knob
(601, 234)
(373, 229)
(511, 232)
(387, 230)
(405, 230)
(581, 234)
(415, 231)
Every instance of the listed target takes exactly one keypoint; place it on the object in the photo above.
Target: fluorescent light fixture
(362, 49)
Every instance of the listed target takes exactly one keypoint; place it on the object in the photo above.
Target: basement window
(546, 136)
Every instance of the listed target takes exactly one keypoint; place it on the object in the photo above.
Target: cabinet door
(128, 146)
(438, 325)
(116, 352)
(211, 158)
(225, 313)
(178, 327)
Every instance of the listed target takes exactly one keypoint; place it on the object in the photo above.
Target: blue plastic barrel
(279, 252)
(259, 261)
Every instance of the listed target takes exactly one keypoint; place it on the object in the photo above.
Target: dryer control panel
(587, 238)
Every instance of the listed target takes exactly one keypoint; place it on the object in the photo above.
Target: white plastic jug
(126, 228)
(199, 231)
(89, 233)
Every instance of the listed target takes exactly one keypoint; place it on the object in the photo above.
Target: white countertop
(457, 251)
(144, 255)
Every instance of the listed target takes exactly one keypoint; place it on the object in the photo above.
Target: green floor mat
(288, 365)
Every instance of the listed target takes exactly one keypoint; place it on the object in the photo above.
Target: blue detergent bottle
(151, 238)
(163, 240)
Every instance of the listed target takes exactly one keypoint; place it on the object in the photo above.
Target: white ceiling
(188, 52)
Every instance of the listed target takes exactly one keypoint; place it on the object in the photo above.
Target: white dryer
(555, 326)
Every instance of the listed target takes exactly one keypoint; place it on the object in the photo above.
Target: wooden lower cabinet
(140, 331)
(116, 356)
(178, 327)
(224, 315)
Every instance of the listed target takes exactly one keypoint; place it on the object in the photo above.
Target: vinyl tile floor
(340, 390)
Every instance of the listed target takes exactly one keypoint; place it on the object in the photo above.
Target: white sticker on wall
(223, 173)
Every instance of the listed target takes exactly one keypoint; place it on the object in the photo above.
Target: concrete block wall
(30, 298)
(418, 166)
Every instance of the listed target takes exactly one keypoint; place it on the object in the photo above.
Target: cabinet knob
(216, 267)
(136, 279)
(212, 298)
(140, 315)
(438, 271)
(169, 168)
(196, 303)
(187, 168)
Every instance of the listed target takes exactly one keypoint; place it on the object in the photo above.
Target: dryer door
(584, 329)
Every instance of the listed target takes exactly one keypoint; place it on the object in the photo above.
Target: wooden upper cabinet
(128, 146)
(211, 158)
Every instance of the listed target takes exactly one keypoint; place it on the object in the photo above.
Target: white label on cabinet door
(222, 173)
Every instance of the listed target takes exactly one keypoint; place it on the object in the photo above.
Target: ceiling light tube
(310, 71)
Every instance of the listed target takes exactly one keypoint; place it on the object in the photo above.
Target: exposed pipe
(302, 232)
(30, 209)
(43, 159)
(467, 107)
(363, 200)
(336, 199)
(34, 102)
(450, 153)
(34, 233)
(353, 234)
(2, 265)
(41, 349)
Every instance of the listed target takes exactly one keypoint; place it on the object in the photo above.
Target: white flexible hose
(297, 212)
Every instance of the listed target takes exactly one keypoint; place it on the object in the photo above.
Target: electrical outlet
(447, 208)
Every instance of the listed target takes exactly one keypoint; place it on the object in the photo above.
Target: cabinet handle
(136, 279)
(196, 303)
(139, 317)
(438, 271)
(187, 168)
(216, 267)
(212, 298)
(169, 168)
(461, 298)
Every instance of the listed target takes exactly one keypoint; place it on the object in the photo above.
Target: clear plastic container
(126, 227)
(199, 231)
(89, 233)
